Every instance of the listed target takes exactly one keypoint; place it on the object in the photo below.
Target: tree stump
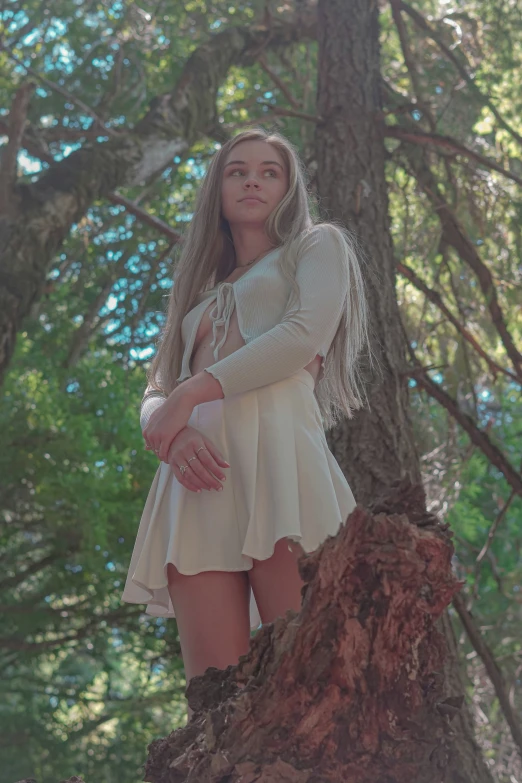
(350, 688)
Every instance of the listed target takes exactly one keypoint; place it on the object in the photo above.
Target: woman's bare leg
(276, 583)
(212, 613)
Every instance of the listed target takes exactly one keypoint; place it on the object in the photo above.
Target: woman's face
(255, 180)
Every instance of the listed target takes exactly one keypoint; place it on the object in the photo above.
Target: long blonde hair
(207, 257)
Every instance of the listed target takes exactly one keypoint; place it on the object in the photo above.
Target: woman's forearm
(201, 387)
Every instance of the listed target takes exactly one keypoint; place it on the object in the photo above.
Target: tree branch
(476, 435)
(278, 82)
(83, 333)
(15, 132)
(453, 234)
(492, 668)
(21, 645)
(57, 134)
(489, 540)
(447, 142)
(409, 61)
(436, 298)
(145, 217)
(31, 570)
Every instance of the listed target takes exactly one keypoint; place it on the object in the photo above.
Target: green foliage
(77, 664)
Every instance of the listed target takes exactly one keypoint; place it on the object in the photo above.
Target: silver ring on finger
(201, 447)
(189, 461)
(183, 468)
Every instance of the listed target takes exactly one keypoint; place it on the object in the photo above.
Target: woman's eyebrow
(262, 163)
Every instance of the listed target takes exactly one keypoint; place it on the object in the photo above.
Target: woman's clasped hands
(204, 461)
(166, 422)
(177, 444)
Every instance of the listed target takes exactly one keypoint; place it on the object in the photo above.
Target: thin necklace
(254, 259)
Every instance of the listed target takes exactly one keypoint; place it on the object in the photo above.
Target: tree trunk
(377, 447)
(348, 690)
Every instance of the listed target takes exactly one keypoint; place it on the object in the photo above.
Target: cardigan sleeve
(152, 400)
(322, 274)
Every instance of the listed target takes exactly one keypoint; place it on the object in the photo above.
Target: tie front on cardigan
(220, 315)
(280, 338)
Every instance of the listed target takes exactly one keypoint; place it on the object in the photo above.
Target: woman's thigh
(212, 613)
(276, 582)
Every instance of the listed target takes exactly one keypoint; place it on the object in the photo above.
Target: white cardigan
(279, 339)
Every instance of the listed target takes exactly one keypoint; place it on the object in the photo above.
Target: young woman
(258, 356)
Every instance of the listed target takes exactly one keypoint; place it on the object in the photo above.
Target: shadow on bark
(350, 688)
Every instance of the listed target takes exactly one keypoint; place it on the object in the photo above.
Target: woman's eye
(239, 171)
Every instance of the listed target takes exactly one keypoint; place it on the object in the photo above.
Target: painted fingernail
(220, 489)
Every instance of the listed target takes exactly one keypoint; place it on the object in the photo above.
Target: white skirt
(283, 481)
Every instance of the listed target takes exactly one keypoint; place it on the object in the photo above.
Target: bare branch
(492, 668)
(34, 148)
(447, 142)
(454, 235)
(410, 61)
(83, 333)
(278, 82)
(486, 548)
(145, 291)
(31, 570)
(493, 529)
(436, 298)
(144, 216)
(479, 437)
(21, 645)
(493, 565)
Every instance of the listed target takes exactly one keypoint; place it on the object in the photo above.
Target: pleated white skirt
(283, 481)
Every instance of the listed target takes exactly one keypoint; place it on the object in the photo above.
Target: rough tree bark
(376, 448)
(348, 690)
